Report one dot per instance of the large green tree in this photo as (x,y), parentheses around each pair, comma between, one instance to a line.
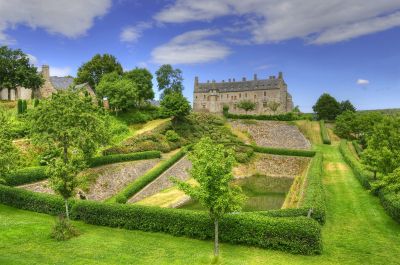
(212,169)
(346,105)
(121,92)
(246,105)
(169,80)
(143,79)
(92,71)
(327,107)
(175,105)
(16,71)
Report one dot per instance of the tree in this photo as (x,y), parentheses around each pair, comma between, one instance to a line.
(9,155)
(143,79)
(69,122)
(176,105)
(16,71)
(122,92)
(383,146)
(169,80)
(347,125)
(246,105)
(92,71)
(273,105)
(212,169)
(347,106)
(326,107)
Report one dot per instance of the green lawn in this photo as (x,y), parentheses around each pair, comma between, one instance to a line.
(357,231)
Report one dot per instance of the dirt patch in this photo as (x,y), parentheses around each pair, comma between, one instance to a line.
(42,187)
(332,166)
(273,134)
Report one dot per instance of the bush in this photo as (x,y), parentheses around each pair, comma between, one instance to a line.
(172,136)
(357,147)
(324,133)
(19,106)
(35,102)
(148,177)
(297,235)
(391,203)
(25,176)
(110,159)
(63,229)
(24,106)
(282,151)
(290,116)
(361,174)
(32,201)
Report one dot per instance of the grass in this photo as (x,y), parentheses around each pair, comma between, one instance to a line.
(357,231)
(310,129)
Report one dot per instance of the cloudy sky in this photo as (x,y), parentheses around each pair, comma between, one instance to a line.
(349,48)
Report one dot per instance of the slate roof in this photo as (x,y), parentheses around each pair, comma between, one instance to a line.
(222,87)
(61,83)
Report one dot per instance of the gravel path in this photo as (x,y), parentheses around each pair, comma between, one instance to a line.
(274,134)
(178,170)
(41,186)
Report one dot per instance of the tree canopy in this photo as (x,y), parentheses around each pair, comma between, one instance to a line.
(92,71)
(169,80)
(327,107)
(143,80)
(246,105)
(121,92)
(346,105)
(16,71)
(176,105)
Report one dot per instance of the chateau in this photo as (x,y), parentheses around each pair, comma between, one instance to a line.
(270,95)
(51,85)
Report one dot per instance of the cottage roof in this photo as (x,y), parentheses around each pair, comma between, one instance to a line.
(61,83)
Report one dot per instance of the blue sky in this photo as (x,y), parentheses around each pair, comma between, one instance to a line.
(348,48)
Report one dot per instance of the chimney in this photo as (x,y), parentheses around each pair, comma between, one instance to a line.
(233,79)
(196,80)
(255,77)
(223,81)
(46,72)
(280,76)
(271,77)
(208,81)
(229,80)
(244,79)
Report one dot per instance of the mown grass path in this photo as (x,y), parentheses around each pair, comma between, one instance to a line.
(357,231)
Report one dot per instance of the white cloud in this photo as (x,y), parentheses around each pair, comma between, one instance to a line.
(60,71)
(133,33)
(362,82)
(190,48)
(32,59)
(71,18)
(277,20)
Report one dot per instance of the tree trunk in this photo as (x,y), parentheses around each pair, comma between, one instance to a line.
(216,246)
(66,208)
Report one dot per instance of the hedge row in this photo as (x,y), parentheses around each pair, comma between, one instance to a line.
(282,151)
(34,174)
(290,116)
(26,175)
(110,159)
(391,203)
(296,235)
(324,133)
(358,148)
(32,201)
(361,174)
(148,177)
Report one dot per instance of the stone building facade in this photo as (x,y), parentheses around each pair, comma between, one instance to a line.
(51,85)
(265,93)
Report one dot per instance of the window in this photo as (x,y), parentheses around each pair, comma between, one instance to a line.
(265,93)
(204,96)
(235,97)
(240,95)
(255,96)
(196,97)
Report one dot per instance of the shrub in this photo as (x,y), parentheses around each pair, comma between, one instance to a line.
(32,201)
(26,175)
(110,159)
(24,106)
(283,151)
(19,106)
(35,102)
(297,235)
(172,136)
(63,229)
(361,174)
(148,177)
(357,147)
(290,116)
(391,203)
(324,133)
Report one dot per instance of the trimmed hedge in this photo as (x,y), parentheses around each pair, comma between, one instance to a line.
(358,148)
(391,203)
(110,159)
(283,151)
(290,116)
(296,235)
(148,177)
(361,174)
(324,133)
(25,175)
(32,201)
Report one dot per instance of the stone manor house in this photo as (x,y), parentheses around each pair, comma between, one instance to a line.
(212,96)
(51,85)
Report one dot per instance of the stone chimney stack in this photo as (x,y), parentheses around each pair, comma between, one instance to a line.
(255,77)
(280,76)
(271,77)
(229,80)
(46,72)
(196,80)
(233,79)
(244,79)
